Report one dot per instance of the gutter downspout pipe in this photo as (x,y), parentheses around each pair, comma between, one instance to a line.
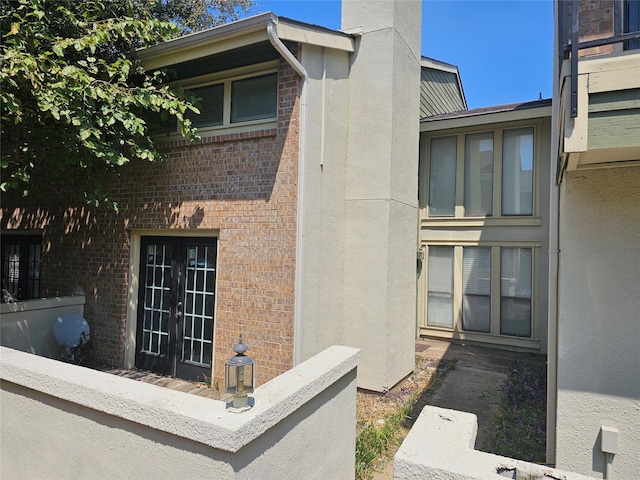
(554,245)
(302,168)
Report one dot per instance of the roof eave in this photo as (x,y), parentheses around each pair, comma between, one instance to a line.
(465,119)
(237,34)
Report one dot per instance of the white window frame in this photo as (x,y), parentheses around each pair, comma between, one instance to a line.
(227,78)
(459,218)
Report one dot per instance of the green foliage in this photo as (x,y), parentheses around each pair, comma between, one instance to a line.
(194,15)
(377,441)
(519,427)
(76,104)
(374,441)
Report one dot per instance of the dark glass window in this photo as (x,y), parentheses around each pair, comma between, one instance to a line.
(211,100)
(21,262)
(254,98)
(631,22)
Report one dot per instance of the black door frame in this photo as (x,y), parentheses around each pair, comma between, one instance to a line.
(170,363)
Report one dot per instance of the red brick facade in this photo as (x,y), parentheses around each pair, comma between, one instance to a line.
(242,187)
(595,21)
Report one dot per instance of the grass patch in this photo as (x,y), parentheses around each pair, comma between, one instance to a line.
(519,427)
(375,440)
(378,438)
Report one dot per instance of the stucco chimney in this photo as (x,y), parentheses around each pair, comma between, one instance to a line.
(381,190)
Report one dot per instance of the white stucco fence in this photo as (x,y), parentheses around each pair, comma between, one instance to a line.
(63,421)
(27,325)
(440,446)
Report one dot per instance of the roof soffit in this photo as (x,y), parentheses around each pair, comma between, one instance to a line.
(240,34)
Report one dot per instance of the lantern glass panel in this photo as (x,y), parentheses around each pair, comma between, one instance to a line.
(239,378)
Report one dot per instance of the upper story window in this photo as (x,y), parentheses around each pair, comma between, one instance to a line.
(21,261)
(470,177)
(236,101)
(631,22)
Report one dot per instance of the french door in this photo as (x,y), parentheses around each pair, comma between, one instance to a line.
(176,306)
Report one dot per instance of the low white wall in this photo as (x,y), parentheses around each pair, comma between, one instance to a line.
(27,325)
(440,445)
(63,421)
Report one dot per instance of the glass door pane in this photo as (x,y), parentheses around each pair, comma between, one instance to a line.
(156,306)
(197,337)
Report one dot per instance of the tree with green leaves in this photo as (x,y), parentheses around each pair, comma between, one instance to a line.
(76,104)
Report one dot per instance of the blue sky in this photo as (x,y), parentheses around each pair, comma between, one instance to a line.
(502,48)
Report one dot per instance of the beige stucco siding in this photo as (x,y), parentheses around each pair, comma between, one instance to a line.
(381,188)
(599,320)
(324,186)
(495,231)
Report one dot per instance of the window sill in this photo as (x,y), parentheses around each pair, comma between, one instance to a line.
(482,221)
(245,131)
(505,341)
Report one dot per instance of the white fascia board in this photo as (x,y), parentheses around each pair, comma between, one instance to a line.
(486,119)
(321,38)
(438,65)
(238,34)
(207,42)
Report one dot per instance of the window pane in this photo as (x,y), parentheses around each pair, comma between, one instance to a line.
(515,291)
(631,22)
(440,287)
(21,265)
(476,289)
(254,98)
(442,177)
(211,105)
(517,172)
(478,174)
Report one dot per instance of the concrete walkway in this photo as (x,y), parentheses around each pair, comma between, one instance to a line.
(473,386)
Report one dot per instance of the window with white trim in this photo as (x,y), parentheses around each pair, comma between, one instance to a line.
(230,102)
(236,101)
(470,177)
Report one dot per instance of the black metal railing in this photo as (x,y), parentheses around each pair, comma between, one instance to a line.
(570,49)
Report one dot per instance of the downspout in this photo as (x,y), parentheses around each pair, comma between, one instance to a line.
(302,167)
(554,220)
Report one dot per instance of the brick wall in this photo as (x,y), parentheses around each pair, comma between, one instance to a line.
(243,186)
(596,21)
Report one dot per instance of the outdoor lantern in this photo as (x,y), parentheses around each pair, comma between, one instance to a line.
(239,375)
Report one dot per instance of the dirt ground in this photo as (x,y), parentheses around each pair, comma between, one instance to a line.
(459,377)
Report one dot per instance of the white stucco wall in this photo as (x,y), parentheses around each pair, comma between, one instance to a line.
(381,188)
(440,446)
(599,320)
(28,325)
(327,134)
(63,421)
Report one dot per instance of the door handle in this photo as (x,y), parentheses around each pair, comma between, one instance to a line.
(178,313)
